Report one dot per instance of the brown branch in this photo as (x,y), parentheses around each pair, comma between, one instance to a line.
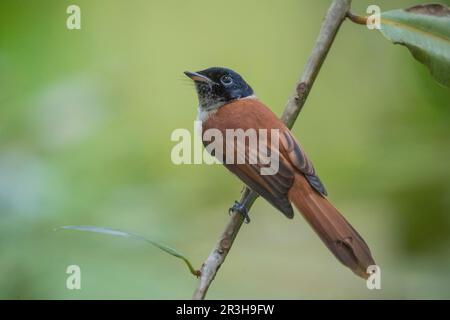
(333,19)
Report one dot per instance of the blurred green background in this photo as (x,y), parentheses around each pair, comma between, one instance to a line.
(85,123)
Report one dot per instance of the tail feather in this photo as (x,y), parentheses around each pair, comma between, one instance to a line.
(334,230)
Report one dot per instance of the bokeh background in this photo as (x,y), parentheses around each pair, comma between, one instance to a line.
(85,123)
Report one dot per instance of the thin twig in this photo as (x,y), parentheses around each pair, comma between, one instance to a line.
(333,19)
(357,19)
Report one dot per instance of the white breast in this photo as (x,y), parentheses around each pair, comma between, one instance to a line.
(203,115)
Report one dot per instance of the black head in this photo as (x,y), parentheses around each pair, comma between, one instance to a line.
(218,86)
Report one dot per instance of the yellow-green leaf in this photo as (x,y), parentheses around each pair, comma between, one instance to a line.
(425,31)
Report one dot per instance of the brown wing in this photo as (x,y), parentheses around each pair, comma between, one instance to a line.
(252,114)
(300,161)
(273,188)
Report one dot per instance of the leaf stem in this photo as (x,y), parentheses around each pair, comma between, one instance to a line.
(357,19)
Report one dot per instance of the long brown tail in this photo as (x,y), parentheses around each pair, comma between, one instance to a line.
(337,234)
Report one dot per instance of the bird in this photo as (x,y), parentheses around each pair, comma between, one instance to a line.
(227,102)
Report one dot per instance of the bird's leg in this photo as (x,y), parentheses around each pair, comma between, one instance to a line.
(241,209)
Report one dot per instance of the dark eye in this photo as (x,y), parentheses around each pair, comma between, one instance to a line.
(226,80)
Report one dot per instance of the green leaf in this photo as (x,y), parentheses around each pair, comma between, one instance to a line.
(119,233)
(425,31)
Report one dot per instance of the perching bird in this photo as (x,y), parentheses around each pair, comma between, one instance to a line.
(227,102)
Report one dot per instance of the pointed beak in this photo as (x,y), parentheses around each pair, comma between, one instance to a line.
(197,77)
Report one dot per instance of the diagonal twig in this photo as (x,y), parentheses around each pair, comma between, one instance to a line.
(330,26)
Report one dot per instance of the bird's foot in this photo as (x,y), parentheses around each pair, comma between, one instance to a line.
(241,209)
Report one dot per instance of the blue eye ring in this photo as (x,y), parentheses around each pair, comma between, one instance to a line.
(226,80)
